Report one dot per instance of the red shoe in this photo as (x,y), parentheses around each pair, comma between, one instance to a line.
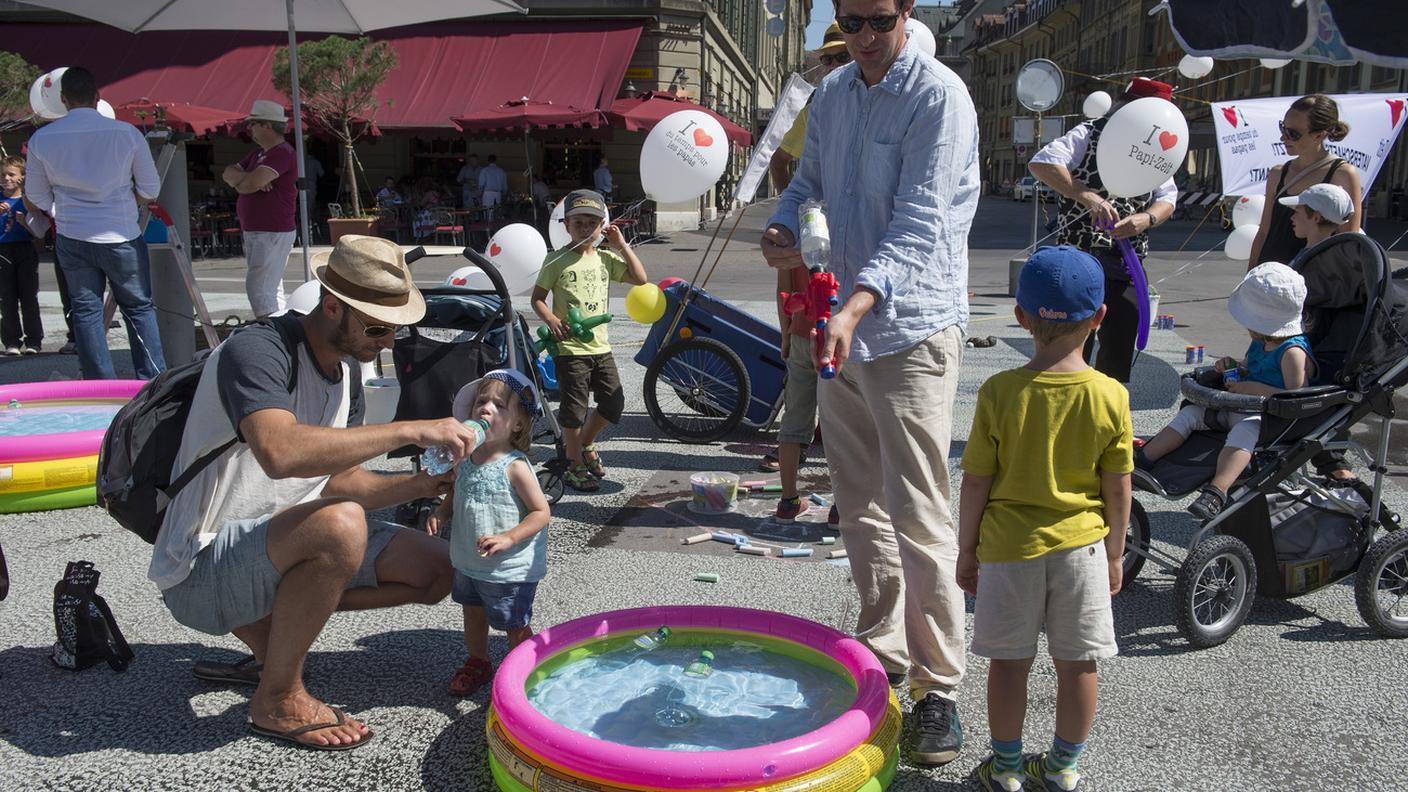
(470,677)
(833,518)
(789,508)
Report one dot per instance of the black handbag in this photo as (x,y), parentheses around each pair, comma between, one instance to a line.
(4,576)
(87,632)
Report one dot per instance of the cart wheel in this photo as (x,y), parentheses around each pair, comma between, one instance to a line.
(696,390)
(1136,542)
(1214,590)
(1381,585)
(550,481)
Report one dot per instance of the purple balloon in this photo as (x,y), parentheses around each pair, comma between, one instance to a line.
(1141,289)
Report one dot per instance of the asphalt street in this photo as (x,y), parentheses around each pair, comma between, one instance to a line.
(1304,697)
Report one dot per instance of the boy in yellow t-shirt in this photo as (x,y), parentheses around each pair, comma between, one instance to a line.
(579,276)
(1042,520)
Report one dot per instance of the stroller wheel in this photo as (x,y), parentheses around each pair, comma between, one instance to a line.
(552,485)
(1381,585)
(1214,590)
(1136,542)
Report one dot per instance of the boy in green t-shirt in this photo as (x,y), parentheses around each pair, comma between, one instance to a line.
(579,276)
(1042,520)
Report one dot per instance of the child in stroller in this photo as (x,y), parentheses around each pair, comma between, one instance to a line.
(1268,302)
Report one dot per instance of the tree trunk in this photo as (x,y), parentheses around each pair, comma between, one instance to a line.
(349,175)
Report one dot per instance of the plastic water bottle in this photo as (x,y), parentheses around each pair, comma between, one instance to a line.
(648,641)
(816,238)
(702,667)
(437,460)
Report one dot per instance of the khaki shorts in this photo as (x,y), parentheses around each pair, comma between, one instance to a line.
(583,376)
(798,423)
(1067,592)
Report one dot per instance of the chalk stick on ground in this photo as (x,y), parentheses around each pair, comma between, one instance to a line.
(818,500)
(754,550)
(707,577)
(723,536)
(767,488)
(696,539)
(752,484)
(796,552)
(836,554)
(828,540)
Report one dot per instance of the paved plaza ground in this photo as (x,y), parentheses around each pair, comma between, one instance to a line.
(1303,697)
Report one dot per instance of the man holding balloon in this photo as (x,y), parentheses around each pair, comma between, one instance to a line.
(1113,194)
(891,149)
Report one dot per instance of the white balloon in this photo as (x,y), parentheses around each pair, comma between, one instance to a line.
(1144,142)
(471,277)
(105,110)
(557,230)
(1247,210)
(304,299)
(1274,63)
(922,35)
(1097,104)
(1239,242)
(1194,67)
(683,156)
(44,95)
(518,251)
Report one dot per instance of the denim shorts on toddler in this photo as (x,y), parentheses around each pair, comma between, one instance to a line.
(507,606)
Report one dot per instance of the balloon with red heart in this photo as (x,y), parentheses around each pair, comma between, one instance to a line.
(558,237)
(517,250)
(683,156)
(1142,146)
(470,277)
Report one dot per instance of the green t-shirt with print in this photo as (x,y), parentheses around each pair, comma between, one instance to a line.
(581,281)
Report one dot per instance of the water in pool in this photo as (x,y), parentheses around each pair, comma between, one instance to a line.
(644,698)
(23,420)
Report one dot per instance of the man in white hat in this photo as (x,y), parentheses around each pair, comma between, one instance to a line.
(266,181)
(270,538)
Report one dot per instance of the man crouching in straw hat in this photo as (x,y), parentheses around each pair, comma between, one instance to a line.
(272,537)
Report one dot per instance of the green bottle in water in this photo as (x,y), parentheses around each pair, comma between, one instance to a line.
(702,667)
(648,641)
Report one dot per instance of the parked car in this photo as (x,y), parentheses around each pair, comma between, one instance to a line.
(1023,189)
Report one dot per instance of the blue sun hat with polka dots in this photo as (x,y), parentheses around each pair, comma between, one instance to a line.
(522,386)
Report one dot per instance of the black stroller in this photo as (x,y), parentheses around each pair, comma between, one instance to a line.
(1284,531)
(465,334)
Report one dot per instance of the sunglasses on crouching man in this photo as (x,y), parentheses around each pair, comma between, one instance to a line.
(882,23)
(373,331)
(839,59)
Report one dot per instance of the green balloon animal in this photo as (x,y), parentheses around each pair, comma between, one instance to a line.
(579,326)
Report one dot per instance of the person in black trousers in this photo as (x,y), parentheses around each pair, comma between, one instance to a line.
(21,330)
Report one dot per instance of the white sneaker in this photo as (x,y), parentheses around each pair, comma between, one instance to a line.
(12,351)
(29,350)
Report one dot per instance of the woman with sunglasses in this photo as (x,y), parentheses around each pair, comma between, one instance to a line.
(1309,122)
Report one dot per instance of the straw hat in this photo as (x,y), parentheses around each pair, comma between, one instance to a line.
(265,110)
(370,274)
(832,41)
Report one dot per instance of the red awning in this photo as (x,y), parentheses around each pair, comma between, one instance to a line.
(462,70)
(645,111)
(179,116)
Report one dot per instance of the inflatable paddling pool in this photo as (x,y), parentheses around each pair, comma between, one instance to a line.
(50,433)
(731,699)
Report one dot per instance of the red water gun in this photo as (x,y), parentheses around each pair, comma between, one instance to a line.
(816,302)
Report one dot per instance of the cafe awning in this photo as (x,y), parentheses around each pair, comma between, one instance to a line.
(643,112)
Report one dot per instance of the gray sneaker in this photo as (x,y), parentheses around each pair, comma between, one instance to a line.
(1038,777)
(937,736)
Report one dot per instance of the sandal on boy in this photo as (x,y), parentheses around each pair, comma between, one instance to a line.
(1209,504)
(580,478)
(474,674)
(592,460)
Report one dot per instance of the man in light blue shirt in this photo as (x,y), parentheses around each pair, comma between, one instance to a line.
(892,150)
(602,178)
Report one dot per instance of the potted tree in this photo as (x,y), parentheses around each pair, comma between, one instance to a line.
(339,78)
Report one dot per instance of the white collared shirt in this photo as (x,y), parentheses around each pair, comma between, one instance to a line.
(91,169)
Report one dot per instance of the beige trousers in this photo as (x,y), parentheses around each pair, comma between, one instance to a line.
(886,425)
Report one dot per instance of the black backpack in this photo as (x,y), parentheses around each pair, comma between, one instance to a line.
(139,449)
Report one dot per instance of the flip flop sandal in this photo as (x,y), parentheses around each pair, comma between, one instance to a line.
(770,464)
(292,735)
(593,462)
(580,478)
(240,672)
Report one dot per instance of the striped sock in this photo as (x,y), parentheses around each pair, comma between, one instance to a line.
(1008,755)
(1063,755)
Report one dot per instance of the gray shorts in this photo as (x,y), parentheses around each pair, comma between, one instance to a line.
(233,582)
(1067,592)
(798,423)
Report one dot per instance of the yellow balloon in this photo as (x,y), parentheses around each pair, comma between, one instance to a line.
(645,303)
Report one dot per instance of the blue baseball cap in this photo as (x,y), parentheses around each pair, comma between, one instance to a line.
(1061,284)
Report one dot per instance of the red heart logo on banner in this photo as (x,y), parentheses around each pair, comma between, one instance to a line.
(702,139)
(1230,113)
(462,281)
(495,250)
(1395,107)
(1168,140)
